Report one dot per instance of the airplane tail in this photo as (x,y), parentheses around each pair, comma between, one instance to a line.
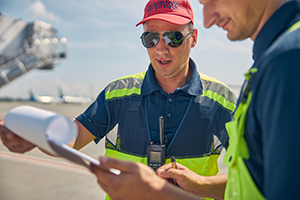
(31,95)
(60,92)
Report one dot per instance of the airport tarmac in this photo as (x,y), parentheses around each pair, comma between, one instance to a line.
(36,176)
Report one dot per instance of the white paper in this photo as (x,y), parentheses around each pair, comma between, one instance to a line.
(38,126)
(49,131)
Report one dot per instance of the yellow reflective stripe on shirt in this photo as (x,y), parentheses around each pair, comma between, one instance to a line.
(294,27)
(228,103)
(122,92)
(220,99)
(121,88)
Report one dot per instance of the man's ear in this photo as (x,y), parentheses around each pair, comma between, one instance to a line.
(194,37)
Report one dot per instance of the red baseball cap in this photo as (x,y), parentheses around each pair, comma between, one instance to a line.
(177,12)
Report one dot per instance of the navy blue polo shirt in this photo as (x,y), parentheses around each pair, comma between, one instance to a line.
(272,128)
(198,110)
(172,106)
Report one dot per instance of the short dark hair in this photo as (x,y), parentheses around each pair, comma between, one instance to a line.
(190,26)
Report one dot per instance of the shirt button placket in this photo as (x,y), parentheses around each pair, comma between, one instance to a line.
(170,100)
(169,115)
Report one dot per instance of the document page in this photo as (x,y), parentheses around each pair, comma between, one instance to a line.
(49,131)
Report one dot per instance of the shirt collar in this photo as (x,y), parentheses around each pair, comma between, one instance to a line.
(280,21)
(192,87)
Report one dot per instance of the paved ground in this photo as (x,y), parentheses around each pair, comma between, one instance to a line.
(36,176)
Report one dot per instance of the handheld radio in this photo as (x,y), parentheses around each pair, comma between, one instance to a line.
(156,152)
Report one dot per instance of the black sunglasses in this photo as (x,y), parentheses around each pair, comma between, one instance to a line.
(171,38)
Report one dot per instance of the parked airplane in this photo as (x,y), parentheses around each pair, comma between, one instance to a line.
(60,99)
(74,99)
(44,99)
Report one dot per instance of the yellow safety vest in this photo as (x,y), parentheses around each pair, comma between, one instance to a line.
(240,184)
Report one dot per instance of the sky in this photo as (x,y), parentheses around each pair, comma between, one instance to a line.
(104,44)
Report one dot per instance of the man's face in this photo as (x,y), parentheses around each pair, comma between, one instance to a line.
(240,18)
(170,62)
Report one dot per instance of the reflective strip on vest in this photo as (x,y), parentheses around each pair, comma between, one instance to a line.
(228,102)
(240,184)
(125,86)
(206,166)
(220,99)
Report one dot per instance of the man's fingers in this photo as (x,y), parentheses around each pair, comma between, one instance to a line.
(102,176)
(169,166)
(10,136)
(123,166)
(165,167)
(13,139)
(13,142)
(167,171)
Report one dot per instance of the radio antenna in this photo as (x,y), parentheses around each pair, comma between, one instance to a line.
(161,129)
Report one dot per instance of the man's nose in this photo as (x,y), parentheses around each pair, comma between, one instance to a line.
(161,46)
(210,14)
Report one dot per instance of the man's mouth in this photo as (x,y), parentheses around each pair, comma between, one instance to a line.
(164,61)
(223,23)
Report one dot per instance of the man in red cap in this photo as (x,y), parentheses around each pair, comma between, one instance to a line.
(261,159)
(194,107)
(169,35)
